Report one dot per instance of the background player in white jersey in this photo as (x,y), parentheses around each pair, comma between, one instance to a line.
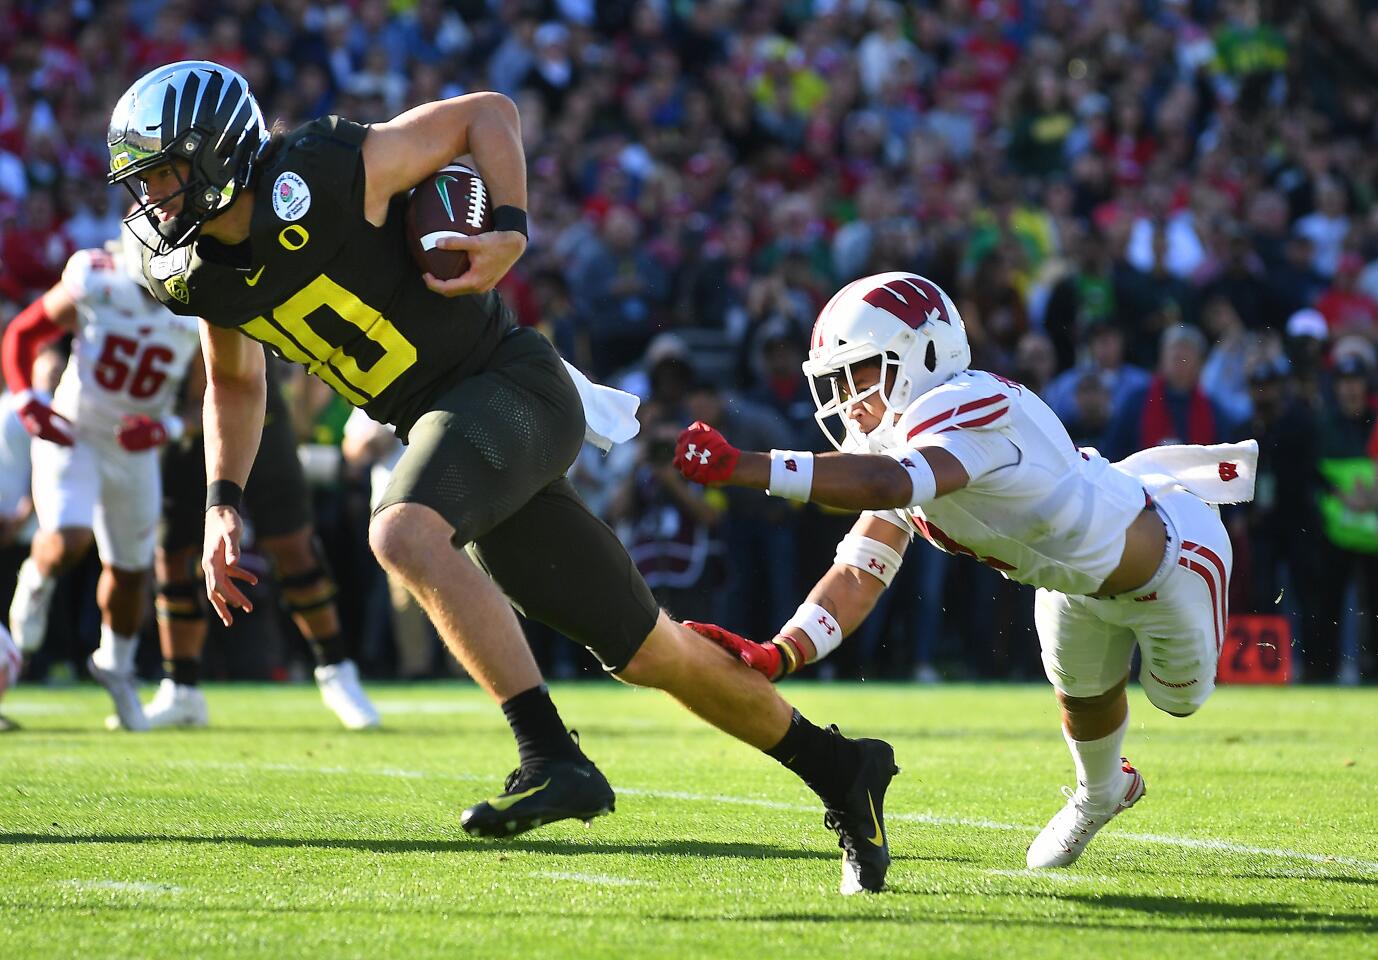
(1124,554)
(95,462)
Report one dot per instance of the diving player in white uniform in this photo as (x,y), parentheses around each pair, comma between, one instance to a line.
(1123,554)
(95,454)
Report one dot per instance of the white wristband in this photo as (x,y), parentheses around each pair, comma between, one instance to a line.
(174,427)
(791,474)
(924,484)
(820,625)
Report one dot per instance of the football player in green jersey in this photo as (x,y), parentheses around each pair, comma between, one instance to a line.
(296,241)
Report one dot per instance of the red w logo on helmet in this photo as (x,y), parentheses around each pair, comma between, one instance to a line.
(913,300)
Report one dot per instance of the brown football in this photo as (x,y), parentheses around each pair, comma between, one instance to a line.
(452,201)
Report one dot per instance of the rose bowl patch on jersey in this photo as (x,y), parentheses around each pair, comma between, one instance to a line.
(291,196)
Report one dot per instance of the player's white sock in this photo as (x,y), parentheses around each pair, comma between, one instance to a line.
(116,652)
(1100,770)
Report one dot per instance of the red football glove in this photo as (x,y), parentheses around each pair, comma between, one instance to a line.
(137,432)
(765,658)
(45,423)
(703,454)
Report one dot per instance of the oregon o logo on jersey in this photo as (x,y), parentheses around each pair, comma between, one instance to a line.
(176,286)
(294,237)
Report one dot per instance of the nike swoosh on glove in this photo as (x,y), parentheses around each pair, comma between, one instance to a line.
(764,658)
(45,423)
(703,454)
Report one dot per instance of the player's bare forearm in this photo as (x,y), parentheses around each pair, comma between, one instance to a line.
(233,420)
(845,481)
(402,152)
(235,400)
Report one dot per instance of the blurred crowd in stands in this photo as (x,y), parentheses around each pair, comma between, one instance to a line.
(1159,214)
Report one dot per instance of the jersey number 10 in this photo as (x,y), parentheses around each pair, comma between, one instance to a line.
(121,365)
(291,332)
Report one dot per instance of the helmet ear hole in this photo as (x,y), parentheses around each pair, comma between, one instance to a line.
(930,357)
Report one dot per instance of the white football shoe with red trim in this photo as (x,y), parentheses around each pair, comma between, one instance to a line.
(1068,833)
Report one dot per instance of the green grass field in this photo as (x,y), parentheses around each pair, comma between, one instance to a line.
(276,834)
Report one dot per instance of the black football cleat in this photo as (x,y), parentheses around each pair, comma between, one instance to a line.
(539,794)
(859,821)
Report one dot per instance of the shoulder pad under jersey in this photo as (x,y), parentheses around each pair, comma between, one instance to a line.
(77,275)
(972,400)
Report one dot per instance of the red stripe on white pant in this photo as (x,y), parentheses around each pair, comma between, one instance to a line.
(1206,564)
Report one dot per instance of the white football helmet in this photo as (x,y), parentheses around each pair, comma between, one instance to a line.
(906,321)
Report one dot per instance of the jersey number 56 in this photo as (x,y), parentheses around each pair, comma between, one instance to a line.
(121,365)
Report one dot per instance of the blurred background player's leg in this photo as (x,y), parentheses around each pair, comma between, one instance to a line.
(11,660)
(182,638)
(308,593)
(279,505)
(125,528)
(66,486)
(412,635)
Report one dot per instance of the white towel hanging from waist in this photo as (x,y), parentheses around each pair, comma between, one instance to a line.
(609,413)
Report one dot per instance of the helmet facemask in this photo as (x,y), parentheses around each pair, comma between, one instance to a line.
(836,395)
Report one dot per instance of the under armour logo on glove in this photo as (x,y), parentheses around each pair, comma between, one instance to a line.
(703,455)
(1229,470)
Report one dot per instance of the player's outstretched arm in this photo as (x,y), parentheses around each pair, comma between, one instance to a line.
(402,152)
(235,399)
(866,562)
(846,481)
(36,326)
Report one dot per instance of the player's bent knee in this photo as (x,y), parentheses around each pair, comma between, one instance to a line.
(404,536)
(658,657)
(179,600)
(1179,702)
(293,551)
(1092,703)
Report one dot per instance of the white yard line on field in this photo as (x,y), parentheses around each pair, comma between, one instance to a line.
(1190,843)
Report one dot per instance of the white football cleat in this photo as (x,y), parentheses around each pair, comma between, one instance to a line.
(123,688)
(177,705)
(1068,833)
(340,689)
(33,593)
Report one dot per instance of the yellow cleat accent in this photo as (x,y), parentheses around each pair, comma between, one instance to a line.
(506,800)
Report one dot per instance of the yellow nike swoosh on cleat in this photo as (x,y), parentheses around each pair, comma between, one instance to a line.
(879,839)
(506,800)
(252,281)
